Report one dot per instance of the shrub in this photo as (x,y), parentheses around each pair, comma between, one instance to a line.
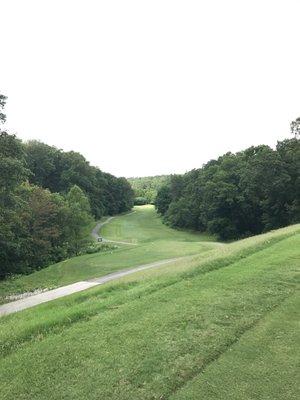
(140,201)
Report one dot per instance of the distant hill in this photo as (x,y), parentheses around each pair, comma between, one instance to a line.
(145,188)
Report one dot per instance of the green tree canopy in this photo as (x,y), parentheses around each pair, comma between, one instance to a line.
(237,195)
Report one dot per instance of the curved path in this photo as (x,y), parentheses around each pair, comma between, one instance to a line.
(49,295)
(95,232)
(44,297)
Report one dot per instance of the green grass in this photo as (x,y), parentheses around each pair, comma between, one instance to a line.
(153,241)
(219,325)
(143,225)
(264,364)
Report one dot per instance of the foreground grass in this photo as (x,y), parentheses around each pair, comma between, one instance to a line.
(152,241)
(264,364)
(177,332)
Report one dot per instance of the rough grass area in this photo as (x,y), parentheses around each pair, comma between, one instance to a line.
(217,326)
(153,242)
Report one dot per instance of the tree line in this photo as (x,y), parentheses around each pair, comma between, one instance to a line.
(58,171)
(237,195)
(48,200)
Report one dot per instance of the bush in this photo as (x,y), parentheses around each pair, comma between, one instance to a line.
(98,248)
(140,201)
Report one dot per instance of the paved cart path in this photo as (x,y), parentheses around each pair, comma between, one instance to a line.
(95,232)
(44,297)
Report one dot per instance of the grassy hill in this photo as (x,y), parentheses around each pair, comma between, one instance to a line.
(221,324)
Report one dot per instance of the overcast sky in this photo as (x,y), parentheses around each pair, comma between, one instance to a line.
(150,87)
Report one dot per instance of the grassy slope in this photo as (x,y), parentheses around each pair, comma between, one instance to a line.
(264,364)
(153,241)
(217,326)
(145,226)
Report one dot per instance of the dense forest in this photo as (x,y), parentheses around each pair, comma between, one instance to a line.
(48,199)
(237,195)
(146,188)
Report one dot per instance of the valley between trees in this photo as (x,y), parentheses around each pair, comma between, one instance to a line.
(151,241)
(49,198)
(219,321)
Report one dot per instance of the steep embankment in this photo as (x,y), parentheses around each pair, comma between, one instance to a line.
(211,326)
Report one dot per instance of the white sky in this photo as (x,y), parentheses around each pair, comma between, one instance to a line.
(150,87)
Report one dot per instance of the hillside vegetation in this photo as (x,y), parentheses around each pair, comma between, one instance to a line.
(217,325)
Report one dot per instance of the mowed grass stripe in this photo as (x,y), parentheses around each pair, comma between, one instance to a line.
(150,347)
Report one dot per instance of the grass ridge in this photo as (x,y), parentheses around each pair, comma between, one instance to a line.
(10,344)
(163,333)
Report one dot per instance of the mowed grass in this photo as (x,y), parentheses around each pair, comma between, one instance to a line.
(143,225)
(221,325)
(264,364)
(152,241)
